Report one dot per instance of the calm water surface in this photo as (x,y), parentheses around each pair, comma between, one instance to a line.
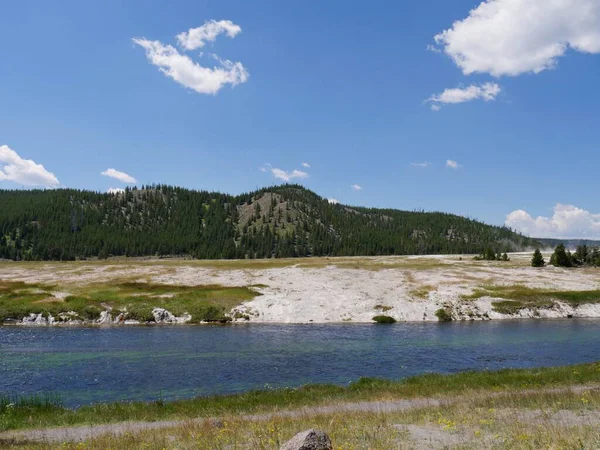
(86,365)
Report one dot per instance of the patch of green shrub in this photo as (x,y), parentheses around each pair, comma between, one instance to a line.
(140,312)
(384,319)
(443,315)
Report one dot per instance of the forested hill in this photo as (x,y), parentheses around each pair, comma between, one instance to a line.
(282,221)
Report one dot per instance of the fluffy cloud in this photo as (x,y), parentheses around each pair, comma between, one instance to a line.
(511,37)
(197,37)
(307,165)
(24,171)
(486,92)
(117,175)
(333,201)
(421,164)
(356,187)
(288,176)
(115,191)
(181,68)
(450,164)
(567,221)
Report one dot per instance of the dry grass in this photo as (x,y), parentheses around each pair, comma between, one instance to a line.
(422,291)
(518,420)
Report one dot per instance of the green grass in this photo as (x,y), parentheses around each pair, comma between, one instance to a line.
(204,303)
(519,297)
(42,414)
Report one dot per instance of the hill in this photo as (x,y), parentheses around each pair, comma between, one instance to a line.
(280,221)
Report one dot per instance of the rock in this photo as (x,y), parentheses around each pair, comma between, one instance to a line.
(163,316)
(69,318)
(105,318)
(120,318)
(34,319)
(309,440)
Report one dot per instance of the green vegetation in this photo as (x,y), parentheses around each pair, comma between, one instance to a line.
(277,222)
(24,414)
(203,303)
(513,307)
(561,257)
(384,319)
(583,256)
(538,259)
(521,297)
(521,420)
(443,315)
(489,254)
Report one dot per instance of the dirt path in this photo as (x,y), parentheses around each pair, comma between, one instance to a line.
(84,433)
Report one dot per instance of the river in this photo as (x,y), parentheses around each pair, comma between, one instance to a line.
(88,365)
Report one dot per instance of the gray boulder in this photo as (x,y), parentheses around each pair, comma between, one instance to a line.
(309,440)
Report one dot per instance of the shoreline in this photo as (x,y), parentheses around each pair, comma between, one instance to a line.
(36,419)
(92,325)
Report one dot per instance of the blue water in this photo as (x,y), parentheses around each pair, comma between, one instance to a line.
(87,365)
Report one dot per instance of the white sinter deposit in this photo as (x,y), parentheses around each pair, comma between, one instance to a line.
(329,290)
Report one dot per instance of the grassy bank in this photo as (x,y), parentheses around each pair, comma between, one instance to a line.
(137,299)
(523,421)
(36,413)
(519,297)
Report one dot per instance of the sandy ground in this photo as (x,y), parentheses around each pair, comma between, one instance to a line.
(340,289)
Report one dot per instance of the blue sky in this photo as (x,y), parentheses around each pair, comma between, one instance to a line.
(349,88)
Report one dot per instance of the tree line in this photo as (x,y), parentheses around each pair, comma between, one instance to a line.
(280,221)
(584,255)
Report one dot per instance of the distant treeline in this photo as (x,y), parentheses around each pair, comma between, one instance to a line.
(282,221)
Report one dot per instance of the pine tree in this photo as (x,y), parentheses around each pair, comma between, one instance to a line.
(538,259)
(561,258)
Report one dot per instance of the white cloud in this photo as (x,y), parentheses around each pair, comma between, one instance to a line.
(452,164)
(421,164)
(567,221)
(115,191)
(197,37)
(117,175)
(333,201)
(24,171)
(433,48)
(288,176)
(511,37)
(181,68)
(356,187)
(485,92)
(307,165)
